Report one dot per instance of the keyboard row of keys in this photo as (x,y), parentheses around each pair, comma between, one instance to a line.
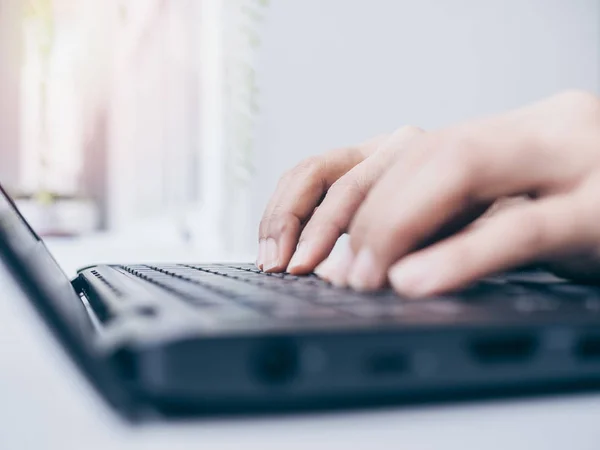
(311,300)
(221,286)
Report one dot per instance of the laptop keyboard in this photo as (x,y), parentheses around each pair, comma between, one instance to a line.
(284,296)
(242,291)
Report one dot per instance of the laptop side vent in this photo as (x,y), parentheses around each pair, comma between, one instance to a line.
(106,283)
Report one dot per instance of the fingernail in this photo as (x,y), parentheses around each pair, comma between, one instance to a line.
(300,257)
(365,274)
(271,255)
(261,254)
(415,278)
(339,265)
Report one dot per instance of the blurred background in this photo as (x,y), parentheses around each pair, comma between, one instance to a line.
(160,127)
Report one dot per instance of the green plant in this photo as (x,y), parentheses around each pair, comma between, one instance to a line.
(242,91)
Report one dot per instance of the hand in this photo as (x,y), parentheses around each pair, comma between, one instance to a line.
(315,202)
(548,152)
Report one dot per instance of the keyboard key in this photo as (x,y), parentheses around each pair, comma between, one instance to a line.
(533,304)
(569,290)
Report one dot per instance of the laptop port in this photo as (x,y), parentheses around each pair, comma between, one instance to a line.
(277,363)
(387,364)
(503,349)
(587,348)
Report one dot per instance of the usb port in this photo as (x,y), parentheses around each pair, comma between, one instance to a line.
(503,349)
(588,348)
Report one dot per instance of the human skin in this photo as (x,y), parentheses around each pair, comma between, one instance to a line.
(416,204)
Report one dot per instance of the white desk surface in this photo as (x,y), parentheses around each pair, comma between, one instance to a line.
(45,403)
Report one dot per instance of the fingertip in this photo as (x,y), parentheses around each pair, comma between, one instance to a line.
(298,269)
(272,260)
(339,264)
(300,262)
(274,267)
(329,271)
(366,274)
(322,270)
(419,276)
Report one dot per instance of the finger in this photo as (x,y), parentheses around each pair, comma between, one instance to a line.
(584,267)
(474,164)
(335,263)
(363,150)
(516,236)
(296,196)
(461,220)
(342,200)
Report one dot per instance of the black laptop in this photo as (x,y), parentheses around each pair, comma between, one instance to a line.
(170,339)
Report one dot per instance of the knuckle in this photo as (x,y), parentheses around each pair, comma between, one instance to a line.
(398,141)
(351,152)
(309,170)
(369,146)
(410,130)
(331,215)
(346,186)
(310,165)
(279,223)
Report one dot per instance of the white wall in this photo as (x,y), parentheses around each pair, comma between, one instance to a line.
(334,72)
